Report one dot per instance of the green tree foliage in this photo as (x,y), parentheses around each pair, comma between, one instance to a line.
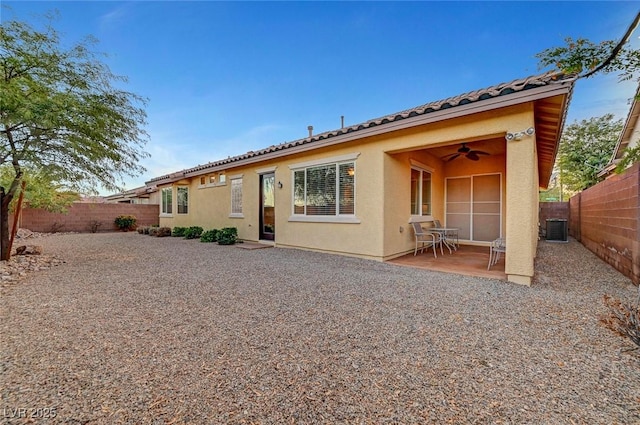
(585,148)
(582,56)
(41,191)
(631,156)
(61,110)
(586,58)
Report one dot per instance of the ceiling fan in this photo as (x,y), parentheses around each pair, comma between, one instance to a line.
(467,152)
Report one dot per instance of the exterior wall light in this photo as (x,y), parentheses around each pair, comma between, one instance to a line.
(279,185)
(520,134)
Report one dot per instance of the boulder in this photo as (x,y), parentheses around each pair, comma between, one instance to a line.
(29,250)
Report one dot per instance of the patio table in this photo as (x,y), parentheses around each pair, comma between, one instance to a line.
(449,236)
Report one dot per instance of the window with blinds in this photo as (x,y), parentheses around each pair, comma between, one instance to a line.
(325,190)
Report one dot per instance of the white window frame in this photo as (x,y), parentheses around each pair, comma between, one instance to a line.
(163,212)
(418,166)
(335,161)
(235,211)
(178,189)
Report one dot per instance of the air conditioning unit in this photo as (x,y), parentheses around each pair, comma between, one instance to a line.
(557,230)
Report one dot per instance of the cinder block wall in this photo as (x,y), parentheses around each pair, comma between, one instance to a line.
(608,216)
(81,216)
(551,210)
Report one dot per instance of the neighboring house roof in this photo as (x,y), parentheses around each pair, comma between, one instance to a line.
(629,136)
(138,192)
(549,121)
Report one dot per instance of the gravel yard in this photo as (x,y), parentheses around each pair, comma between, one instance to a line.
(141,330)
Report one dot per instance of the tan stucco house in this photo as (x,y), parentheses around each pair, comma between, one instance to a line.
(475,162)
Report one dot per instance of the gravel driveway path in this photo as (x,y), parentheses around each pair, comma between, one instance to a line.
(141,330)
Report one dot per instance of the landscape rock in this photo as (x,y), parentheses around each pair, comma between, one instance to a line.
(24,234)
(29,250)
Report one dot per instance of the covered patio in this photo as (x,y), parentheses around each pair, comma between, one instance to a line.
(468,260)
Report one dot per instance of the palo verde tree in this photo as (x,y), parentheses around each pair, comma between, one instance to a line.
(585,58)
(62,112)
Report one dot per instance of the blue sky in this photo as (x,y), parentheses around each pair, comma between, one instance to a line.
(224,78)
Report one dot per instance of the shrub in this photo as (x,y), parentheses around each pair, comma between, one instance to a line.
(193,232)
(153,231)
(623,319)
(227,236)
(125,222)
(94,225)
(178,231)
(209,236)
(162,231)
(143,229)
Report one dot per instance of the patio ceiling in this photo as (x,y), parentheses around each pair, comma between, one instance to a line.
(495,146)
(549,117)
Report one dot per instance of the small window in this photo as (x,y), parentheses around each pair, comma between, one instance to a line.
(183,200)
(167,200)
(222,179)
(212,179)
(236,196)
(203,180)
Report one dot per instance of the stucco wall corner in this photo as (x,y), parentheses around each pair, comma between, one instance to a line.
(519,279)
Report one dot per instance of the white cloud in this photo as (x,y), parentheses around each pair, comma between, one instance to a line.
(114,18)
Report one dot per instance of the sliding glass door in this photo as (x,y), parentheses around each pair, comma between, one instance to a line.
(474,206)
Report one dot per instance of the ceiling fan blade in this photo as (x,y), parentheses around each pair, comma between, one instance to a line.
(472,156)
(480,153)
(453,157)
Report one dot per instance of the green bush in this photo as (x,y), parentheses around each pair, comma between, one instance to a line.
(125,222)
(209,236)
(178,231)
(193,232)
(227,236)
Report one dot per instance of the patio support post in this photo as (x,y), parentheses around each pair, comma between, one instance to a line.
(521,208)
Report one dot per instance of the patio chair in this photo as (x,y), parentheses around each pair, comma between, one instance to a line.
(426,239)
(497,247)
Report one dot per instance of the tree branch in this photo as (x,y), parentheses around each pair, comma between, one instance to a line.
(616,50)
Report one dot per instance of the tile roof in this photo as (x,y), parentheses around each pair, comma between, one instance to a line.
(502,89)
